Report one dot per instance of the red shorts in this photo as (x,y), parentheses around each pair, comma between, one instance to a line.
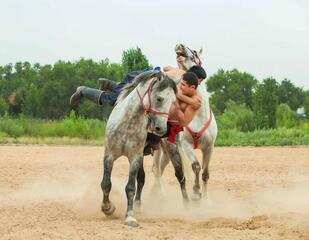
(174,129)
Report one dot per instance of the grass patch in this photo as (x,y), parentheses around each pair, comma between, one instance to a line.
(80,131)
(270,137)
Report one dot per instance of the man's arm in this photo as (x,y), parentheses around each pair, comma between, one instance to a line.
(184,118)
(195,102)
(168,68)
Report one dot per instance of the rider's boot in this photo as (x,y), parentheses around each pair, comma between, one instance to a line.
(81,92)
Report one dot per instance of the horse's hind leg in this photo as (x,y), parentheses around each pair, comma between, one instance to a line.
(107,207)
(135,165)
(160,161)
(207,152)
(140,185)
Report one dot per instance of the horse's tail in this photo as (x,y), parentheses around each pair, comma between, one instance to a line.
(186,163)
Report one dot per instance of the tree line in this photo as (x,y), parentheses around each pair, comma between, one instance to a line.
(43,91)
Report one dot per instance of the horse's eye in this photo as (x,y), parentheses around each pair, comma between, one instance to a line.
(160,99)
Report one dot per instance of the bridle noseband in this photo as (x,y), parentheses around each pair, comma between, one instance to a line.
(148,110)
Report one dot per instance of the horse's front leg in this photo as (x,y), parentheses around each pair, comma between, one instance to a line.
(196,167)
(135,165)
(107,207)
(140,185)
(207,152)
(172,151)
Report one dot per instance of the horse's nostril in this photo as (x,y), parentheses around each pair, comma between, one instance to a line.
(158,129)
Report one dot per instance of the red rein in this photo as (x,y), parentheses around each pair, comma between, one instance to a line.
(150,109)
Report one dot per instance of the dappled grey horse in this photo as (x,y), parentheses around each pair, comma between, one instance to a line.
(142,106)
(199,134)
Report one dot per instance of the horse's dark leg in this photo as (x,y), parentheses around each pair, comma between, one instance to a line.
(135,165)
(196,167)
(207,152)
(107,207)
(140,185)
(173,153)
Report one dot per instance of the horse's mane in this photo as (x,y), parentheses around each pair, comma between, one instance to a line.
(203,90)
(141,78)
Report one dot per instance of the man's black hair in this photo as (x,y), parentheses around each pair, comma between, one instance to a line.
(198,71)
(190,78)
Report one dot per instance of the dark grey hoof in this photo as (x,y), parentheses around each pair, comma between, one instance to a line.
(131,222)
(108,209)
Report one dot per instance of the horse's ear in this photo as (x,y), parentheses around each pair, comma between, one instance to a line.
(200,51)
(161,75)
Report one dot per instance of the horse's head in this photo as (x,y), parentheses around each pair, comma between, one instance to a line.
(163,94)
(187,57)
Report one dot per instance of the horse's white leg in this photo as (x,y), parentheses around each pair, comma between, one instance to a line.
(196,167)
(107,207)
(135,165)
(207,152)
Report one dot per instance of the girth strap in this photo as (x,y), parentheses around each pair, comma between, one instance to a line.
(198,135)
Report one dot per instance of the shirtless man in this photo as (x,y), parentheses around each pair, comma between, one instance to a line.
(181,112)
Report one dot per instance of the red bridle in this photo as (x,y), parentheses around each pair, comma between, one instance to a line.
(150,109)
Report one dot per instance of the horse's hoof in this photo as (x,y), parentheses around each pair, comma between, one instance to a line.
(131,222)
(196,197)
(108,209)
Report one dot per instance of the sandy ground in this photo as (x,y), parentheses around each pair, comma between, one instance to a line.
(54,193)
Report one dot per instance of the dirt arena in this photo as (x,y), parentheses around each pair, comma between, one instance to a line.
(54,193)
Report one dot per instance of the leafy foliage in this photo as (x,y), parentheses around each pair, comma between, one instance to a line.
(291,95)
(237,117)
(133,59)
(265,102)
(38,91)
(306,104)
(285,117)
(231,85)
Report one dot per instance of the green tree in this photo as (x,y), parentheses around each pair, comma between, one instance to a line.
(4,107)
(306,103)
(237,117)
(285,117)
(290,94)
(231,85)
(265,102)
(33,102)
(133,59)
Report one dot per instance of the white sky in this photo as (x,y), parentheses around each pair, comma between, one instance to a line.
(262,37)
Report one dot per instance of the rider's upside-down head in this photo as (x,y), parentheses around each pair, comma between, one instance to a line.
(199,72)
